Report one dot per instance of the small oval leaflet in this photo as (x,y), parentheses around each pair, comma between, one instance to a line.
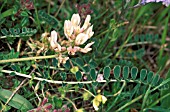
(134,72)
(116,71)
(125,72)
(93,74)
(78,75)
(149,77)
(106,72)
(143,73)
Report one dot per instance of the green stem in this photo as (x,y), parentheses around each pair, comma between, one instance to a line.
(5,1)
(129,103)
(36,13)
(164,35)
(157,101)
(118,93)
(120,49)
(145,97)
(71,103)
(163,83)
(88,92)
(7,13)
(118,25)
(139,97)
(59,8)
(27,59)
(48,8)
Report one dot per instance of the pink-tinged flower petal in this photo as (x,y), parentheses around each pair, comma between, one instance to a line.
(89,45)
(86,23)
(53,41)
(72,51)
(75,20)
(81,39)
(67,110)
(89,31)
(54,110)
(53,37)
(86,48)
(68,28)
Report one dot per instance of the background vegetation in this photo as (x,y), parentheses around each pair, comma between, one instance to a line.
(131,53)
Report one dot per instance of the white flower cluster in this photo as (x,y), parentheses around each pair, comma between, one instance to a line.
(76,36)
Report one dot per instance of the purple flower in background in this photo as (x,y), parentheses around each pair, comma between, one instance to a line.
(164,2)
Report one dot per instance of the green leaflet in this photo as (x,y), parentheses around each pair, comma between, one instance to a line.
(106,72)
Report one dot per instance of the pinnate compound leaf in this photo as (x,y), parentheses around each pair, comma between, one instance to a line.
(18,101)
(17,32)
(52,21)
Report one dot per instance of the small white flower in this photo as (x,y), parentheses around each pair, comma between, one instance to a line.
(81,39)
(53,41)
